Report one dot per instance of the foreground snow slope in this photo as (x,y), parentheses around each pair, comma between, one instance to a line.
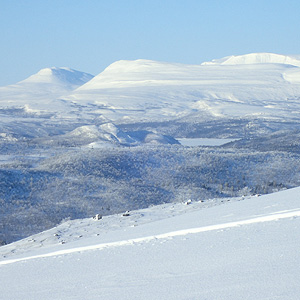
(244,249)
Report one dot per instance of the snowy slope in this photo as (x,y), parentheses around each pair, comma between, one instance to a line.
(259,84)
(243,249)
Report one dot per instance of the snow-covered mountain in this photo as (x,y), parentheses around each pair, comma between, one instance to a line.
(253,86)
(261,85)
(256,58)
(43,88)
(194,250)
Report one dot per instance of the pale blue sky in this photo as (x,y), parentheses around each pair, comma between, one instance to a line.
(88,35)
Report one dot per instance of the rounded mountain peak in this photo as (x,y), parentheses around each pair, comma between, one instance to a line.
(55,75)
(139,65)
(256,58)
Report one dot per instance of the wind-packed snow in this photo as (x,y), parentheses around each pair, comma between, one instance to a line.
(242,249)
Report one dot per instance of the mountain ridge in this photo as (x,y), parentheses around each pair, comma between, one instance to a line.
(253,85)
(257,85)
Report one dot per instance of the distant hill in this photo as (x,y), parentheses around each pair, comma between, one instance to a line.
(256,58)
(45,86)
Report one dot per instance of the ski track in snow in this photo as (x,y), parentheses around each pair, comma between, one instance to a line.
(268,218)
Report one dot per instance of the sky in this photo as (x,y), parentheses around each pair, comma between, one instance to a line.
(89,35)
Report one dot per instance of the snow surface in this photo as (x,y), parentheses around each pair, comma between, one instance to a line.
(242,249)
